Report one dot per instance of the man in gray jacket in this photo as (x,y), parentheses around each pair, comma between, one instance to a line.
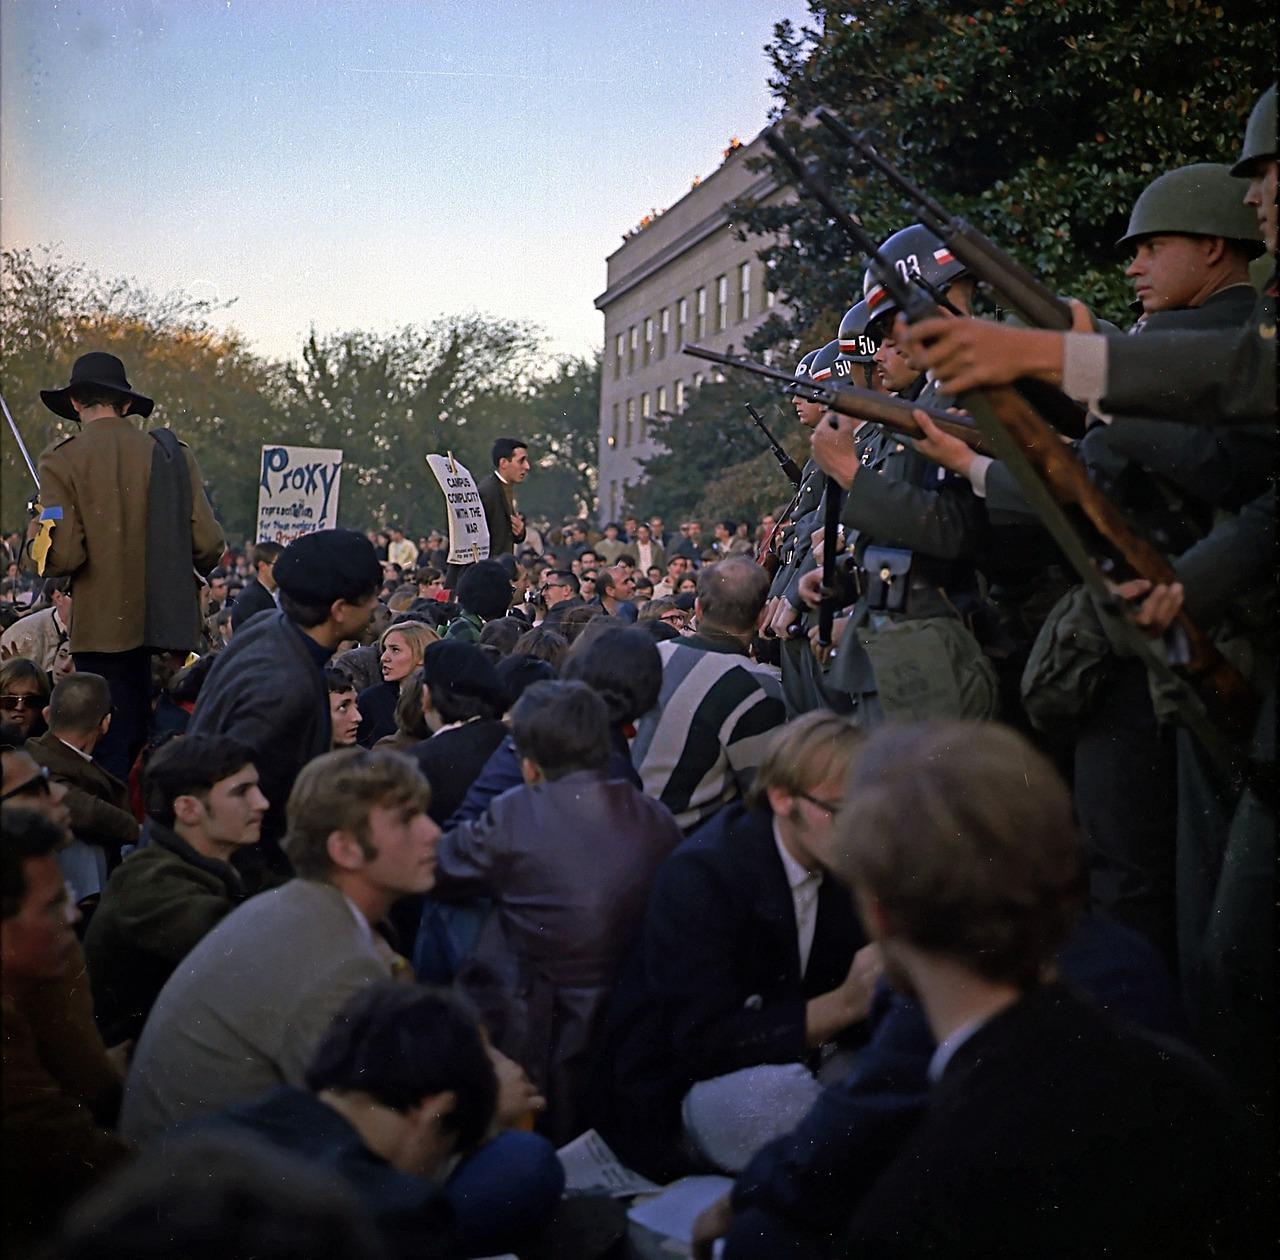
(247,1007)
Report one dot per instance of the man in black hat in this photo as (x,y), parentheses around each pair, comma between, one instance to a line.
(267,688)
(131,526)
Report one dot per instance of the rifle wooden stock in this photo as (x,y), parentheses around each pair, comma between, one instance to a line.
(859,404)
(1225,693)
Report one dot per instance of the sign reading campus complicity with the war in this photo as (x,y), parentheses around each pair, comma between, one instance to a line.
(297,491)
(468,529)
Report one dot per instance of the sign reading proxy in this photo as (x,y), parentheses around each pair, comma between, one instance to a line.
(297,492)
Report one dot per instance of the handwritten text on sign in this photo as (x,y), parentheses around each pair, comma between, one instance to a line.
(468,528)
(297,491)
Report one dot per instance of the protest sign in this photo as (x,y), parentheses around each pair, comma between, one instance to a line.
(297,492)
(468,528)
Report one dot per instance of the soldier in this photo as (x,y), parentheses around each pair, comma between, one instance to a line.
(859,345)
(913,530)
(132,525)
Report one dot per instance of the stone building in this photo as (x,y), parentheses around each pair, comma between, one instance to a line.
(681,276)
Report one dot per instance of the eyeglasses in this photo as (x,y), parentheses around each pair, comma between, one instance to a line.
(827,807)
(39,784)
(673,619)
(10,704)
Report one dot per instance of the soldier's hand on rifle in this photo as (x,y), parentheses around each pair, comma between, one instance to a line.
(941,447)
(783,618)
(817,541)
(968,354)
(833,450)
(1158,610)
(820,651)
(810,588)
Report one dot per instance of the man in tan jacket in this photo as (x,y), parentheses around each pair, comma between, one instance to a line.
(132,528)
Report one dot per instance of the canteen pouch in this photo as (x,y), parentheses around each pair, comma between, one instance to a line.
(888,576)
(930,668)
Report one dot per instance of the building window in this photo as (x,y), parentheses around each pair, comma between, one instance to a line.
(744,291)
(613,498)
(631,422)
(648,341)
(682,321)
(680,399)
(662,399)
(620,350)
(644,410)
(613,425)
(632,339)
(700,318)
(697,381)
(664,331)
(722,303)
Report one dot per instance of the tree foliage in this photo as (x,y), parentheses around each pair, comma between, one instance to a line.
(386,400)
(1040,121)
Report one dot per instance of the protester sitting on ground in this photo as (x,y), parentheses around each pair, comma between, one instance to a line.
(751,971)
(39,635)
(402,1100)
(543,643)
(402,645)
(503,634)
(698,748)
(411,718)
(24,695)
(1051,1128)
(464,702)
(59,1090)
(484,592)
(344,708)
(267,689)
(250,1003)
(79,715)
(215,1197)
(259,595)
(203,805)
(556,940)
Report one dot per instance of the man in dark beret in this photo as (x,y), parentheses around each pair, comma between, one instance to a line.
(267,689)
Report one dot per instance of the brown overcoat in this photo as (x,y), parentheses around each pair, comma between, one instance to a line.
(99,478)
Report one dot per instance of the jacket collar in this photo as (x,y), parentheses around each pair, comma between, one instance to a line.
(169,839)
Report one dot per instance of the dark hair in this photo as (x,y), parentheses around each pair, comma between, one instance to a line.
(189,766)
(658,630)
(11,738)
(573,621)
(562,726)
(221,1194)
(305,615)
(518,673)
(567,577)
(93,395)
(26,836)
(266,552)
(217,574)
(79,702)
(337,681)
(626,558)
(622,666)
(400,1044)
(503,634)
(459,706)
(484,589)
(542,643)
(506,447)
(410,716)
(510,565)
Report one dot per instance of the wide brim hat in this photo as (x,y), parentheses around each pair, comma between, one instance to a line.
(102,370)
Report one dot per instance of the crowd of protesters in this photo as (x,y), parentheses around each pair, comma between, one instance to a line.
(341,885)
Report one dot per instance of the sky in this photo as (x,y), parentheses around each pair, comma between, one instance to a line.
(365,164)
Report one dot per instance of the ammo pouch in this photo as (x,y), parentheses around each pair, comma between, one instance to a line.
(887,577)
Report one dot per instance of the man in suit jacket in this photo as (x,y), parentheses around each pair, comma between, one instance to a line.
(748,965)
(79,714)
(1051,1130)
(118,494)
(259,595)
(248,1006)
(497,494)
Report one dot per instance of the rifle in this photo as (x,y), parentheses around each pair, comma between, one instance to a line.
(1213,692)
(22,446)
(1023,292)
(830,534)
(861,404)
(1026,294)
(785,462)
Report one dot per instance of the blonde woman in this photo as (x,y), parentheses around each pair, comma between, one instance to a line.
(400,653)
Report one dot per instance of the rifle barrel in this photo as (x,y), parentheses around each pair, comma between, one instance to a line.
(22,446)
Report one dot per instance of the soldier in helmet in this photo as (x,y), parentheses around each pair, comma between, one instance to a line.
(912,531)
(859,344)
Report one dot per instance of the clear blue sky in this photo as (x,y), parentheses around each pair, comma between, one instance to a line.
(368,163)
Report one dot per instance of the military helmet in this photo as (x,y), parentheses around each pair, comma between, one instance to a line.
(828,366)
(1259,133)
(917,254)
(1204,199)
(857,345)
(802,368)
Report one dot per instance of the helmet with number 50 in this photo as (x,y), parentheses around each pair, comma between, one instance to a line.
(918,256)
(858,344)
